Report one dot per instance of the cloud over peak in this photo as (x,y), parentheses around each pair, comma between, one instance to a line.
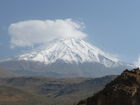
(31,32)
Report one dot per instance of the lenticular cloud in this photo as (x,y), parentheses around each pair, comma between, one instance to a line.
(31,32)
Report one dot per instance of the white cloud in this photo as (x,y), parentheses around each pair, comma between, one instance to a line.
(137,63)
(31,32)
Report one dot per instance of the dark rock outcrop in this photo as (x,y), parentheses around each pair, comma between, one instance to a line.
(124,90)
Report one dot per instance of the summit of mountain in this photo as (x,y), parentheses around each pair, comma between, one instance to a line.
(66,58)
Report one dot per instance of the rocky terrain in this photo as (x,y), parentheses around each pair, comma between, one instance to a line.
(124,90)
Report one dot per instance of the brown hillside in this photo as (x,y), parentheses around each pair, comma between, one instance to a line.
(124,90)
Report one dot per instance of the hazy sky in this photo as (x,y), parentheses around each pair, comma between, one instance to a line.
(112,25)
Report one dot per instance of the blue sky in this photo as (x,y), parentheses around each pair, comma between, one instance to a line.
(112,25)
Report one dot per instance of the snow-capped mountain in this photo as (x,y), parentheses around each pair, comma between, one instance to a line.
(67,58)
(70,51)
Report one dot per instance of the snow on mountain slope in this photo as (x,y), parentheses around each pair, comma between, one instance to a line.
(66,58)
(70,51)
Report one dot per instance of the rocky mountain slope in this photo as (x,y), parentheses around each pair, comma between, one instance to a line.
(124,90)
